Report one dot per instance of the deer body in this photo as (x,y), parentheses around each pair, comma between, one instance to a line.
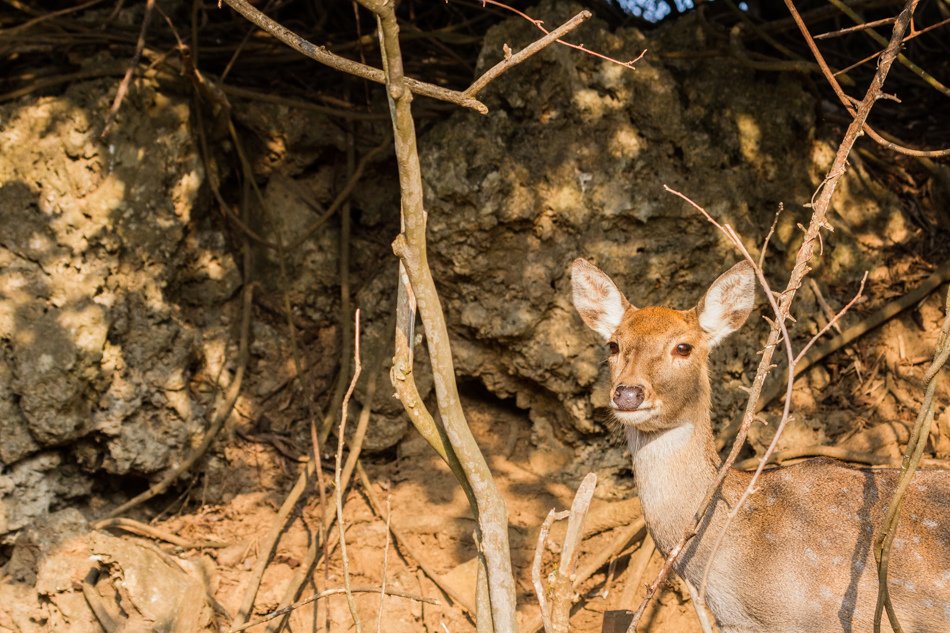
(798,557)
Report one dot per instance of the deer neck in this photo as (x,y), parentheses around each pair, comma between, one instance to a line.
(673,468)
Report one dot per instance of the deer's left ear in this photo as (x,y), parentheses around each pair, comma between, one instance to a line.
(728,303)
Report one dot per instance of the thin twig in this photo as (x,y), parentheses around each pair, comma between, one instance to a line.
(915,449)
(402,543)
(344,412)
(322,55)
(47,16)
(877,54)
(553,515)
(867,324)
(127,78)
(300,104)
(331,592)
(355,445)
(539,25)
(328,517)
(832,322)
(854,29)
(822,303)
(143,529)
(537,46)
(768,236)
(880,39)
(846,101)
(382,583)
(779,324)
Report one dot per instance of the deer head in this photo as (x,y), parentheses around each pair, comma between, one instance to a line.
(657,355)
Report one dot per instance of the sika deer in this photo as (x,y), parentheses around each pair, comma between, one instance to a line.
(798,556)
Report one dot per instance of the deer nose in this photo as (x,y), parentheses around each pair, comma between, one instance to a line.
(627,398)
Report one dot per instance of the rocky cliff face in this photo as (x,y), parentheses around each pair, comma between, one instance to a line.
(117,279)
(571,162)
(100,245)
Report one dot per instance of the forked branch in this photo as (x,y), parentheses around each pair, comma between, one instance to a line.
(465,99)
(410,246)
(556,614)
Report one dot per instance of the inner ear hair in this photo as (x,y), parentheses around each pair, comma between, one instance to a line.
(597,299)
(728,302)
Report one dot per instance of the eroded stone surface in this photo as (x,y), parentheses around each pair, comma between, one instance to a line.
(571,161)
(95,239)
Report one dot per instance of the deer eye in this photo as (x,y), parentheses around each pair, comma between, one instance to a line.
(613,348)
(683,349)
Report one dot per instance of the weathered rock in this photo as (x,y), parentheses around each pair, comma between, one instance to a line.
(39,539)
(136,584)
(98,248)
(29,488)
(571,161)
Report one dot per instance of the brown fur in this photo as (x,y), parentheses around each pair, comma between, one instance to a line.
(798,556)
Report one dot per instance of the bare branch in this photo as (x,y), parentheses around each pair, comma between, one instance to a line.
(382,582)
(854,29)
(915,449)
(625,535)
(539,24)
(563,589)
(325,57)
(832,322)
(331,592)
(337,473)
(539,590)
(880,39)
(847,101)
(510,61)
(851,333)
(410,246)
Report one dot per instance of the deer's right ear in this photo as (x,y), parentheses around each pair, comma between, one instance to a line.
(599,302)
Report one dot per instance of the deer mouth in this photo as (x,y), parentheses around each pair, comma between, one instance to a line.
(635,417)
